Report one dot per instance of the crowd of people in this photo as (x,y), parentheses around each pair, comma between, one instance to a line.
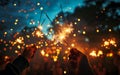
(77,64)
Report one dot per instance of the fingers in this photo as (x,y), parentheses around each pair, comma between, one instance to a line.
(29,52)
(32,49)
(74,54)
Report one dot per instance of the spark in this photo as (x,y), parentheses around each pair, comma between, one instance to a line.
(14,4)
(106,43)
(20,40)
(5,33)
(40,27)
(100,52)
(109,54)
(38,3)
(41,8)
(109,42)
(65,72)
(55,58)
(6,58)
(42,52)
(73,45)
(78,19)
(93,53)
(84,32)
(39,34)
(110,30)
(63,32)
(75,23)
(97,30)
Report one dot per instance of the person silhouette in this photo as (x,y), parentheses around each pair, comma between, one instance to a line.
(20,63)
(78,63)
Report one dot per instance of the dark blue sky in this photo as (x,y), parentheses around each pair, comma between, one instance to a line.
(22,13)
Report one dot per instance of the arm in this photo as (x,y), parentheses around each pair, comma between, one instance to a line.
(84,67)
(15,68)
(20,63)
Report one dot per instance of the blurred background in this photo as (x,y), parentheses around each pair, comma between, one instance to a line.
(56,26)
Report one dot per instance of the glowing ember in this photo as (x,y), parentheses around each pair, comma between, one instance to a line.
(55,58)
(110,42)
(39,34)
(106,43)
(72,44)
(20,40)
(93,53)
(109,55)
(40,27)
(43,53)
(63,32)
(65,72)
(100,53)
(96,54)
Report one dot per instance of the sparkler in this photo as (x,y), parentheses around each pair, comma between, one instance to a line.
(63,32)
(20,40)
(37,33)
(96,54)
(93,53)
(109,42)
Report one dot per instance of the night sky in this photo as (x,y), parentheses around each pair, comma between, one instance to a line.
(28,13)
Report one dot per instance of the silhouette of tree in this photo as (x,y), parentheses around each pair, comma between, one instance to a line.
(93,16)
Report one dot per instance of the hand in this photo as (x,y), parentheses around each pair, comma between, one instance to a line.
(74,58)
(29,52)
(79,64)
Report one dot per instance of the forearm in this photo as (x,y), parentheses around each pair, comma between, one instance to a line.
(18,65)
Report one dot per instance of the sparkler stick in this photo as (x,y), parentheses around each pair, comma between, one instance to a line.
(48,17)
(61,7)
(43,22)
(41,16)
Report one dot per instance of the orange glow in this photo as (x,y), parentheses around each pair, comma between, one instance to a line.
(110,30)
(16,51)
(119,53)
(65,72)
(72,44)
(84,32)
(55,58)
(100,53)
(74,35)
(112,42)
(20,40)
(69,48)
(43,53)
(106,43)
(64,58)
(47,55)
(109,42)
(93,53)
(97,31)
(109,55)
(5,33)
(39,34)
(40,27)
(18,47)
(62,33)
(78,19)
(6,58)
(62,36)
